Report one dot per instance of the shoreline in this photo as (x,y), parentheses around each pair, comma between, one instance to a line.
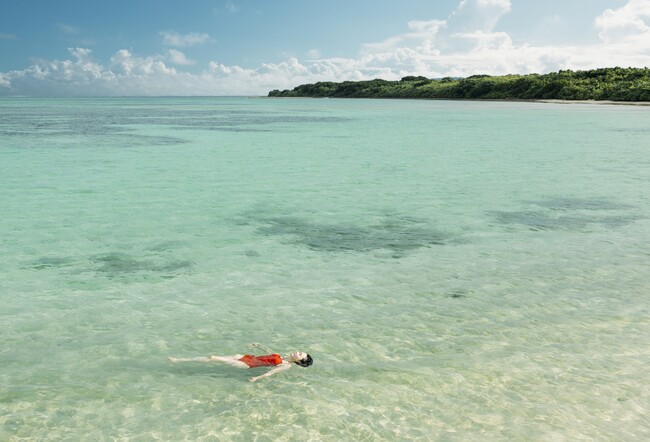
(619,103)
(504,100)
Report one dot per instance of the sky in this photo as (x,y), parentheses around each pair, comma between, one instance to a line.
(249,47)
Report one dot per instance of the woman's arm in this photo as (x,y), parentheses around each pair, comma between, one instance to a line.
(258,345)
(277,369)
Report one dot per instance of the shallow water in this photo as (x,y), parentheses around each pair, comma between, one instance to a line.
(458,270)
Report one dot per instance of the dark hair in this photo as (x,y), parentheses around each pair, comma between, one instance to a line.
(306,362)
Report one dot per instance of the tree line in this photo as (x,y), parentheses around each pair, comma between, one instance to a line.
(616,84)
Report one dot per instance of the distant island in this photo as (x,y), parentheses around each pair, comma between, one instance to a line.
(613,84)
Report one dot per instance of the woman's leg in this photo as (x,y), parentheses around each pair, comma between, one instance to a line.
(230,360)
(198,359)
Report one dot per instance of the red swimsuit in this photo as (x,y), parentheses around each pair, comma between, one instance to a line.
(261,361)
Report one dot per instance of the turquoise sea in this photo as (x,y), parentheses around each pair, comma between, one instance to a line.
(458,270)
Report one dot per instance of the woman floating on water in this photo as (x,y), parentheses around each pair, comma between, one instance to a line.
(276,360)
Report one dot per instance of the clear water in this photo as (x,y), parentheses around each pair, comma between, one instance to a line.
(458,270)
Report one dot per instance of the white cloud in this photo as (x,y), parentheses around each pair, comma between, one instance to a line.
(7,36)
(479,15)
(171,38)
(128,74)
(177,57)
(467,42)
(4,81)
(126,64)
(422,34)
(486,41)
(633,19)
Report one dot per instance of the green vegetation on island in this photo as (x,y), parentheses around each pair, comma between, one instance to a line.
(615,84)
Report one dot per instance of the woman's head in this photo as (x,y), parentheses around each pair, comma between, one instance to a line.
(302,359)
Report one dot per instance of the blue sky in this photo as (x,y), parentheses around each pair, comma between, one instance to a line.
(248,47)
